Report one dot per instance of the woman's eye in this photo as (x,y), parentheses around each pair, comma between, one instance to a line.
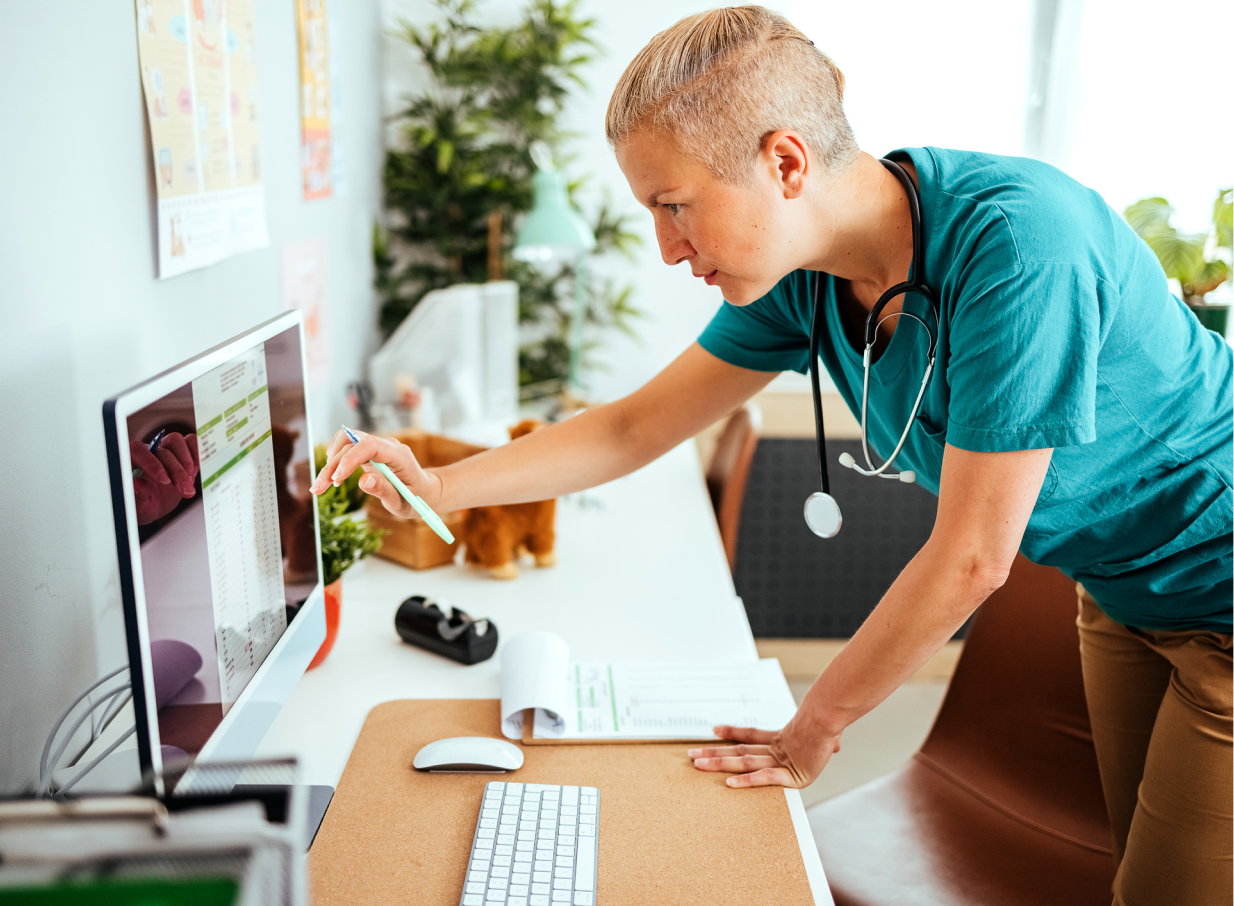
(673,208)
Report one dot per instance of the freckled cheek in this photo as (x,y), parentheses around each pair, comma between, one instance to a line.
(723,241)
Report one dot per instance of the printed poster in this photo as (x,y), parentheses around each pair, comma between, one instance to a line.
(304,288)
(199,74)
(311,26)
(338,176)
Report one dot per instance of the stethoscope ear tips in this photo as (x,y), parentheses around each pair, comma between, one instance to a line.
(846,460)
(823,515)
(907,476)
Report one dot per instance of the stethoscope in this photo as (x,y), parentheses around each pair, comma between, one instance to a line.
(821,510)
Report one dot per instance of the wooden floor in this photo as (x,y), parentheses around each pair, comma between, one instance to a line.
(804,659)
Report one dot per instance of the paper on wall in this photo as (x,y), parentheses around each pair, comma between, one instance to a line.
(304,288)
(199,75)
(338,168)
(315,144)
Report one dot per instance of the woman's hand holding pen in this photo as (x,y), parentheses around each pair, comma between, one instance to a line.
(792,757)
(343,457)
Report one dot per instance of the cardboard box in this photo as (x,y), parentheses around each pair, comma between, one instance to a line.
(411,542)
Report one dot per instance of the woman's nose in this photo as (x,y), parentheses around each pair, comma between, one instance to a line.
(674,248)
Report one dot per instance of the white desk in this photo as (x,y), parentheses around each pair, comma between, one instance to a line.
(641,574)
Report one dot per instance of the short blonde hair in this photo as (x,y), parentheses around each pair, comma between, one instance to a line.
(721,81)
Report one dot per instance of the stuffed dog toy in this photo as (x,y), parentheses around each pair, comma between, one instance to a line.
(495,536)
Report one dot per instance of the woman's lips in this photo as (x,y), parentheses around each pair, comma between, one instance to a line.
(710,279)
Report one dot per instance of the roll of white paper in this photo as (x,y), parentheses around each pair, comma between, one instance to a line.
(533,675)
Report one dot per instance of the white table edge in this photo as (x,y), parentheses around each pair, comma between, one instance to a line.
(809,850)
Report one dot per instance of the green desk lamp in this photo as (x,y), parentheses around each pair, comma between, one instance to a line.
(553,232)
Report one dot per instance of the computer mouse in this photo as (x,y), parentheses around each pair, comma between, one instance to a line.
(469,755)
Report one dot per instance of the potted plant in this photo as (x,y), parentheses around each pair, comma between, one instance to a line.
(461,171)
(1198,261)
(344,542)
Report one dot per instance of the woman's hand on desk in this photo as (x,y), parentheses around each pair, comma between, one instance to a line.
(786,757)
(343,457)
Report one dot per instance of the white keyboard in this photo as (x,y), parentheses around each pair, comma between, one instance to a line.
(535,845)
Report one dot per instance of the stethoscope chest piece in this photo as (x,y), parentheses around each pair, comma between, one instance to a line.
(823,515)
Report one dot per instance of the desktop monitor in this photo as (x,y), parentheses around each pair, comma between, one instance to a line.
(220,570)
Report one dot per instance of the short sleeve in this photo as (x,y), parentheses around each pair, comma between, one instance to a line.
(766,335)
(1022,369)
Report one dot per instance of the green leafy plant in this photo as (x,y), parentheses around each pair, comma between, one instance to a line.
(464,154)
(351,484)
(1198,261)
(344,541)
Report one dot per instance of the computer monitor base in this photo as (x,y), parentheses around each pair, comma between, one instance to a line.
(117,774)
(319,797)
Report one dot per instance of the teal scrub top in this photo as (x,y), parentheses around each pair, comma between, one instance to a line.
(1057,329)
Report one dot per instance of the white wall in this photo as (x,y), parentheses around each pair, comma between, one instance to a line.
(1153,107)
(919,74)
(82,315)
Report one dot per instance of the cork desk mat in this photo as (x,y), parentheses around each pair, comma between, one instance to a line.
(668,834)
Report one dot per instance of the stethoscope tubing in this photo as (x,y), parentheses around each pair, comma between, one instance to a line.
(880,471)
(873,322)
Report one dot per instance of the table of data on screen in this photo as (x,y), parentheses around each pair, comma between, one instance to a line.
(232,408)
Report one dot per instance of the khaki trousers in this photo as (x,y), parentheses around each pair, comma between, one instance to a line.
(1160,704)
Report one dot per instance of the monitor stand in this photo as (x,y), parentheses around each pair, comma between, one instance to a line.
(319,797)
(317,800)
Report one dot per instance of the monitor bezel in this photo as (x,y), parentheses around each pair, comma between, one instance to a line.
(240,731)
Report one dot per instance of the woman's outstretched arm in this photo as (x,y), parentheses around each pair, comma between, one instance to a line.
(596,446)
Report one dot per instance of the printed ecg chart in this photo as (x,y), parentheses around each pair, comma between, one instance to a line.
(677,700)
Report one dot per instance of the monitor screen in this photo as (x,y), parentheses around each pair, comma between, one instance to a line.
(219,470)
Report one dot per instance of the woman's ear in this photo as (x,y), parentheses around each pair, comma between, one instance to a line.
(786,151)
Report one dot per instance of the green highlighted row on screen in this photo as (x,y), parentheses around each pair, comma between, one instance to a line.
(231,462)
(231,410)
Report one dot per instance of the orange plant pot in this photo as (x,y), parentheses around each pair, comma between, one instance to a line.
(334,598)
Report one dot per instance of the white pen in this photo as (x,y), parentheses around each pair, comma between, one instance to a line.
(425,511)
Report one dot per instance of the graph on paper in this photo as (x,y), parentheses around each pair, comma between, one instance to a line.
(666,700)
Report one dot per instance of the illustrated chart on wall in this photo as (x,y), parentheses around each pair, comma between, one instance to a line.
(232,407)
(199,73)
(311,28)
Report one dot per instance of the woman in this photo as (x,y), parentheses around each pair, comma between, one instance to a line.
(1077,412)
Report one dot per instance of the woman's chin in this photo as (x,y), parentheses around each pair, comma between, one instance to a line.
(741,292)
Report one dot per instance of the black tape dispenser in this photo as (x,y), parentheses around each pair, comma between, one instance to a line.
(445,630)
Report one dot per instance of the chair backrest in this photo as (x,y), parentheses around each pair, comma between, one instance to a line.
(1014,724)
(729,470)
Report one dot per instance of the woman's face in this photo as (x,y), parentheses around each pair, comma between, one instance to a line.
(737,237)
